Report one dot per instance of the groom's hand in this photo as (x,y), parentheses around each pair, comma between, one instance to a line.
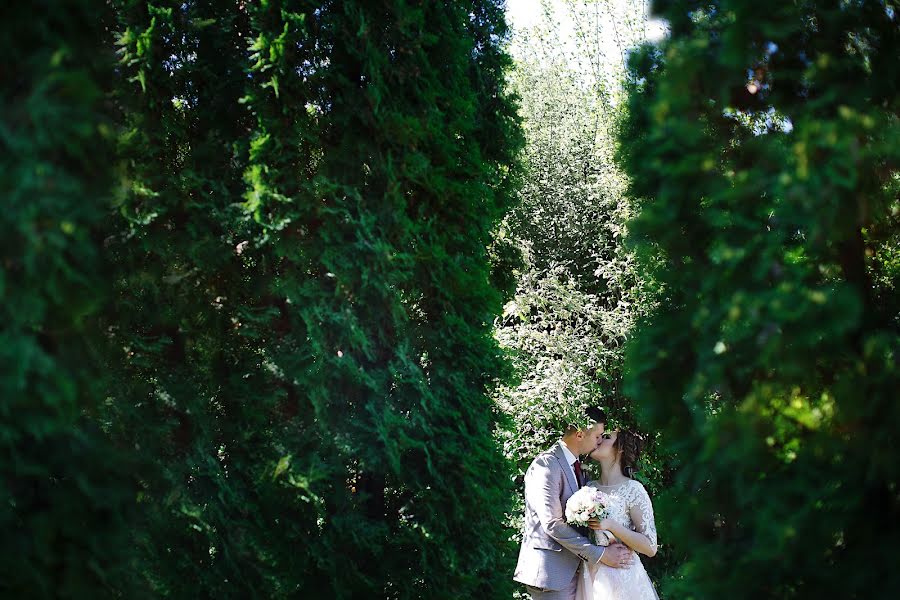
(617,556)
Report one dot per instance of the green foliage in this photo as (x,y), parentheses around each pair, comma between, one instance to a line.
(765,158)
(303,296)
(64,494)
(576,293)
(387,344)
(190,313)
(248,300)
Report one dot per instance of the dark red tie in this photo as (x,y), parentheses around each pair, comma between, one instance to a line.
(577,467)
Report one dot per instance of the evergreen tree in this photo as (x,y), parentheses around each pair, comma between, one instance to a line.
(303,295)
(64,494)
(407,137)
(248,300)
(762,140)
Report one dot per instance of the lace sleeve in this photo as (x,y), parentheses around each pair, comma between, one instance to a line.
(641,512)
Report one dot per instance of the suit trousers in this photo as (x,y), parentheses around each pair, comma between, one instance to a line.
(567,593)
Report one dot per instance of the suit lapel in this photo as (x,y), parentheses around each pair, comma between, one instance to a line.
(567,470)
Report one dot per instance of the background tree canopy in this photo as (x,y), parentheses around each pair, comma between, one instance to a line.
(576,295)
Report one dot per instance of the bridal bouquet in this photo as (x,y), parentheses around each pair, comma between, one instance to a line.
(586,504)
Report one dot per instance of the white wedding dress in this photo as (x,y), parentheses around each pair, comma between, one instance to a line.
(630,505)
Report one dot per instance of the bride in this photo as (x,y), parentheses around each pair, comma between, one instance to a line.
(630,520)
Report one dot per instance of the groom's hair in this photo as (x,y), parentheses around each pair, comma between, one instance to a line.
(594,413)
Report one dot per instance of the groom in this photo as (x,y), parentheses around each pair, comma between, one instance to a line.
(553,553)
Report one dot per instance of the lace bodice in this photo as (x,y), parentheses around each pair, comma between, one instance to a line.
(630,505)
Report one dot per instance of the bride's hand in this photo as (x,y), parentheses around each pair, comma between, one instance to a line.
(606,524)
(596,524)
(617,556)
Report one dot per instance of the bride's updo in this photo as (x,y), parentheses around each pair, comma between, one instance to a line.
(628,444)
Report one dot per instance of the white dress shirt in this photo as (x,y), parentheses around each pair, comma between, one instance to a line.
(571,458)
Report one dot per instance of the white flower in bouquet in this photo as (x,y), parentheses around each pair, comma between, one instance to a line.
(586,504)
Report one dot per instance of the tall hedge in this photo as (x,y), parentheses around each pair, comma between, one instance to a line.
(303,299)
(192,397)
(762,142)
(64,495)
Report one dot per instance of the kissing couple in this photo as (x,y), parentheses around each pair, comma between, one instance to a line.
(557,561)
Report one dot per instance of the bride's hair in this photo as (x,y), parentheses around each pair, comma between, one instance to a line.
(630,445)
